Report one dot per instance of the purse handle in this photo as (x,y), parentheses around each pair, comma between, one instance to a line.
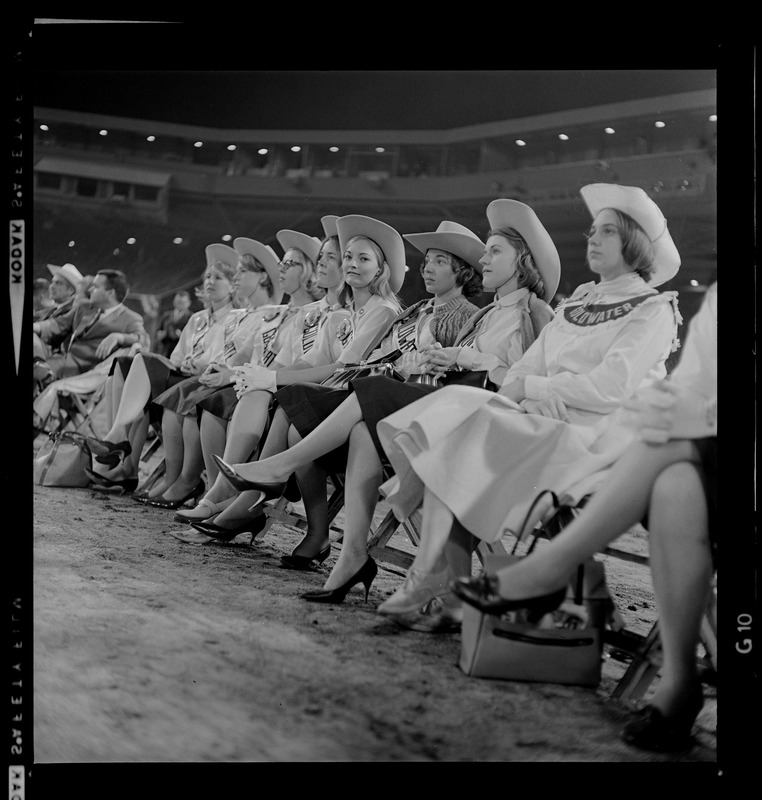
(556,505)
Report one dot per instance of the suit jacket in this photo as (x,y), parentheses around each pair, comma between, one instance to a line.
(55,325)
(89,330)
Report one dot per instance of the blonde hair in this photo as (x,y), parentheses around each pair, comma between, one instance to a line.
(380,284)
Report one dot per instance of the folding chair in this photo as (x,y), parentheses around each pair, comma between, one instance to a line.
(643,652)
(76,410)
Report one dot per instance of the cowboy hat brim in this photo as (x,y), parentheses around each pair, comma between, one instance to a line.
(267,257)
(508,213)
(309,245)
(386,237)
(632,200)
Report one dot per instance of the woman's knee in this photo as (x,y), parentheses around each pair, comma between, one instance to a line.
(679,489)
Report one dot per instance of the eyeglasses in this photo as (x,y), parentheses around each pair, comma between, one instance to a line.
(285,265)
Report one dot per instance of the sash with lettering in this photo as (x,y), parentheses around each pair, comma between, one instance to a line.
(233,322)
(406,331)
(312,324)
(269,330)
(586,316)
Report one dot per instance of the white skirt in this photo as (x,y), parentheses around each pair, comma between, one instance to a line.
(487,460)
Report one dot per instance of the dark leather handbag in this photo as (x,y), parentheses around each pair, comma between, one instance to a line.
(343,376)
(467,377)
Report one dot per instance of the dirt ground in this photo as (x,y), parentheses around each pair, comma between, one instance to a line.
(148,649)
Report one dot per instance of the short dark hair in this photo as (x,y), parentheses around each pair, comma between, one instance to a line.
(117,281)
(465,275)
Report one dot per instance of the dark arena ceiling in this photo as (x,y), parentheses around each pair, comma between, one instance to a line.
(179,74)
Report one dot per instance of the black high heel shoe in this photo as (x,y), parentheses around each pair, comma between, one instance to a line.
(270,490)
(126,485)
(252,526)
(651,730)
(306,562)
(482,592)
(365,575)
(107,452)
(161,502)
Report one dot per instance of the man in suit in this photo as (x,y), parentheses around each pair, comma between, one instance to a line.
(100,324)
(49,335)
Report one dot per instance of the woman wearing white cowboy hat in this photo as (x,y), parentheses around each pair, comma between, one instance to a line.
(373,270)
(477,460)
(269,340)
(494,338)
(258,293)
(232,425)
(668,474)
(135,381)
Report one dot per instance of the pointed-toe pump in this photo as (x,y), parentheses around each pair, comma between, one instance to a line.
(365,575)
(482,592)
(204,509)
(126,485)
(162,502)
(306,562)
(109,453)
(252,526)
(270,490)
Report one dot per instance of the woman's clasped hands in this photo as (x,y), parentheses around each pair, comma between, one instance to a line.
(551,406)
(436,360)
(216,375)
(253,378)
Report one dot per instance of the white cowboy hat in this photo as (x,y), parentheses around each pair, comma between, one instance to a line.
(309,245)
(634,201)
(267,257)
(329,224)
(221,252)
(505,213)
(69,272)
(452,238)
(383,235)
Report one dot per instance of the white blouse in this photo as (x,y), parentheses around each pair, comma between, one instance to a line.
(601,347)
(328,345)
(362,327)
(697,369)
(204,336)
(497,341)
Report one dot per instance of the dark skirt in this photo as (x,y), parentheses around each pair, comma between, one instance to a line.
(183,397)
(161,372)
(306,405)
(220,403)
(379,397)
